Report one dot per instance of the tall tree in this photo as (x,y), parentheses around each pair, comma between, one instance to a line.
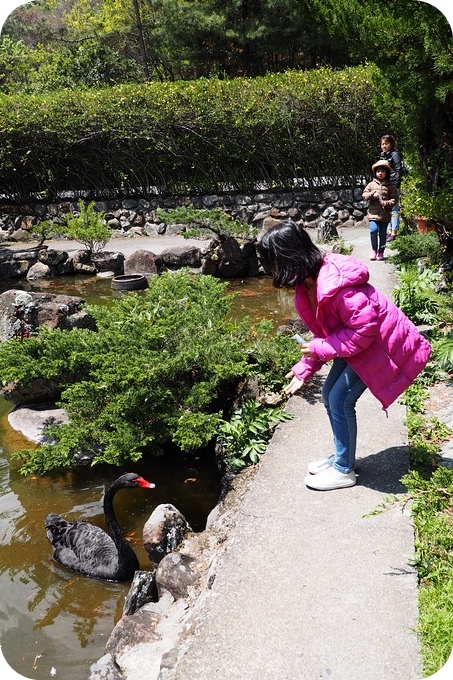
(412,43)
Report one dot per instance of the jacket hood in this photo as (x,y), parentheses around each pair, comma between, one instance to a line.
(340,271)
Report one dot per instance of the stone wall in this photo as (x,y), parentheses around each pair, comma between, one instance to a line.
(137,216)
(321,210)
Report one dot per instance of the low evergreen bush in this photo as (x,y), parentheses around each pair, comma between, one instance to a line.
(162,369)
(88,227)
(415,246)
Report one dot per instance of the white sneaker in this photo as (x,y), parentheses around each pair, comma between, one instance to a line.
(330,479)
(320,465)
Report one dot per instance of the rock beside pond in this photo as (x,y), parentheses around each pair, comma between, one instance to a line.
(107,261)
(31,420)
(234,258)
(143,262)
(142,591)
(38,271)
(155,635)
(21,313)
(181,256)
(175,575)
(137,629)
(165,529)
(52,257)
(39,391)
(82,262)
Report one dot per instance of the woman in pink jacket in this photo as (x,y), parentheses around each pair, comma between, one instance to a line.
(371,342)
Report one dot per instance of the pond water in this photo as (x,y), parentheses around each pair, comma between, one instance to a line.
(53,622)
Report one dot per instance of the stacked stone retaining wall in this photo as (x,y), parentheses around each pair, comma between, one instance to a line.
(134,217)
(137,216)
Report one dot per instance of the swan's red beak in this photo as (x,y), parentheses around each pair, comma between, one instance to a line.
(144,484)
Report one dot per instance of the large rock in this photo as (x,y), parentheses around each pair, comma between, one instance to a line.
(181,256)
(131,648)
(52,257)
(21,313)
(82,263)
(233,258)
(38,271)
(133,630)
(108,262)
(174,575)
(165,529)
(327,230)
(143,262)
(39,390)
(32,420)
(14,268)
(142,591)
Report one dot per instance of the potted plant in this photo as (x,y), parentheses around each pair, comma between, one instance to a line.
(418,204)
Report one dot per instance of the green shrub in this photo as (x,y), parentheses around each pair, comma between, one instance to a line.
(425,437)
(161,370)
(191,136)
(415,294)
(444,350)
(245,436)
(88,227)
(415,246)
(45,230)
(206,222)
(432,502)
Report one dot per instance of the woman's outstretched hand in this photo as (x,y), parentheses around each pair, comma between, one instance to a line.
(294,385)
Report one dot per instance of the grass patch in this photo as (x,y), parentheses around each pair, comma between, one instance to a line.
(432,511)
(430,490)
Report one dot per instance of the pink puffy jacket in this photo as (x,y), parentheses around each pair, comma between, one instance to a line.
(358,323)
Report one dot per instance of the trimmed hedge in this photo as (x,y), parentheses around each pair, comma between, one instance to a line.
(190,136)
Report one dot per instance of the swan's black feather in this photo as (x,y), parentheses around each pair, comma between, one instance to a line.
(87,549)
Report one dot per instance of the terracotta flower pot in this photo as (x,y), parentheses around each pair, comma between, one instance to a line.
(424,224)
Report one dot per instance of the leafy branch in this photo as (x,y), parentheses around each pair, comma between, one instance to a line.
(201,222)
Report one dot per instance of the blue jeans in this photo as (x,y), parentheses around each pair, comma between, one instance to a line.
(378,235)
(395,215)
(340,392)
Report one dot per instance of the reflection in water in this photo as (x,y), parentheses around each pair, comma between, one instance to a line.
(49,611)
(50,618)
(259,300)
(256,296)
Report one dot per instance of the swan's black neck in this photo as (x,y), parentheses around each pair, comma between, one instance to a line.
(112,523)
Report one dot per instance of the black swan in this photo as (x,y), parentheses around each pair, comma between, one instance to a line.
(89,550)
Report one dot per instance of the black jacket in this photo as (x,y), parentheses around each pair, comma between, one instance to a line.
(395,159)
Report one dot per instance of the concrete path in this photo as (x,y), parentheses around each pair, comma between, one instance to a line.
(311,587)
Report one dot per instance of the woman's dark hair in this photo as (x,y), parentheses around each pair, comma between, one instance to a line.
(291,253)
(390,139)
